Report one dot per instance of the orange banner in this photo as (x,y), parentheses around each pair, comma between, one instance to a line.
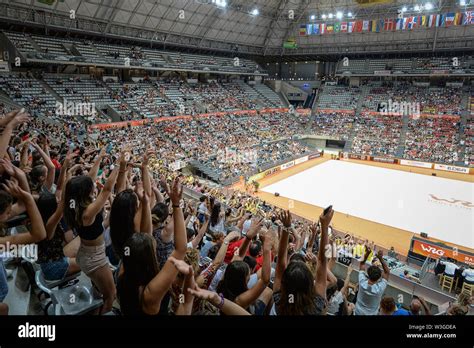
(103,126)
(424,248)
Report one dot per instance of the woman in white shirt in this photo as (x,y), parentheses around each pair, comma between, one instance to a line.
(217,220)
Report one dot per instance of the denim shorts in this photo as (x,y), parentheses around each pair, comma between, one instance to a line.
(55,270)
(3,282)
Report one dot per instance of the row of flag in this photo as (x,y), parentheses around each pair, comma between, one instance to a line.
(378,25)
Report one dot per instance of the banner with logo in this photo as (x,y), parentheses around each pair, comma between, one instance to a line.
(287,165)
(416,164)
(301,160)
(384,160)
(435,250)
(453,169)
(313,156)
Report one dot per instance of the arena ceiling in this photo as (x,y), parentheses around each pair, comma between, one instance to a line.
(235,27)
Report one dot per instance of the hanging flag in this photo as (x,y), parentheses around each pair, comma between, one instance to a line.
(449,19)
(302,30)
(440,20)
(375,28)
(358,27)
(316,29)
(330,28)
(344,27)
(350,27)
(458,19)
(337,27)
(365,26)
(399,24)
(412,22)
(405,23)
(322,28)
(468,18)
(432,21)
(309,29)
(424,21)
(389,25)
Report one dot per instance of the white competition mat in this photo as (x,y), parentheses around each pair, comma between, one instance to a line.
(443,208)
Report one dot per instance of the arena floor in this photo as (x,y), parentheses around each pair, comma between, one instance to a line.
(400,200)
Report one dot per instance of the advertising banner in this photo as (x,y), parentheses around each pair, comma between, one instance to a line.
(416,164)
(287,165)
(453,169)
(434,250)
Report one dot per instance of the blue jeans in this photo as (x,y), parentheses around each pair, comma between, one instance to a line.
(3,281)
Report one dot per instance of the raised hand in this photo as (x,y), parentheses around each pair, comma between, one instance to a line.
(17,118)
(7,166)
(176,192)
(11,186)
(255,227)
(181,266)
(325,220)
(285,218)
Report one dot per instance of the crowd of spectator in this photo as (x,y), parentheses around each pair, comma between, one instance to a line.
(377,135)
(114,201)
(434,139)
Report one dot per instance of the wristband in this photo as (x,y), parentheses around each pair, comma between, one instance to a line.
(176,206)
(221,304)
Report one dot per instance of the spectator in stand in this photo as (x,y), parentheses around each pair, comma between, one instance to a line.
(371,285)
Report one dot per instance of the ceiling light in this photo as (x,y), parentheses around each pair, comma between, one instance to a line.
(339,15)
(429,6)
(255,12)
(331,15)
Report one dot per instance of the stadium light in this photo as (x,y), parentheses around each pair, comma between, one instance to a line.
(323,16)
(313,17)
(339,15)
(330,16)
(349,14)
(221,3)
(429,6)
(404,9)
(255,12)
(417,8)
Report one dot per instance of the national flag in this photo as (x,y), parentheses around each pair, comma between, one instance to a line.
(389,24)
(337,27)
(450,19)
(302,29)
(412,22)
(440,20)
(309,29)
(375,27)
(423,21)
(468,17)
(316,29)
(350,27)
(405,23)
(358,27)
(399,24)
(458,18)
(365,25)
(344,27)
(432,21)
(330,28)
(322,28)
